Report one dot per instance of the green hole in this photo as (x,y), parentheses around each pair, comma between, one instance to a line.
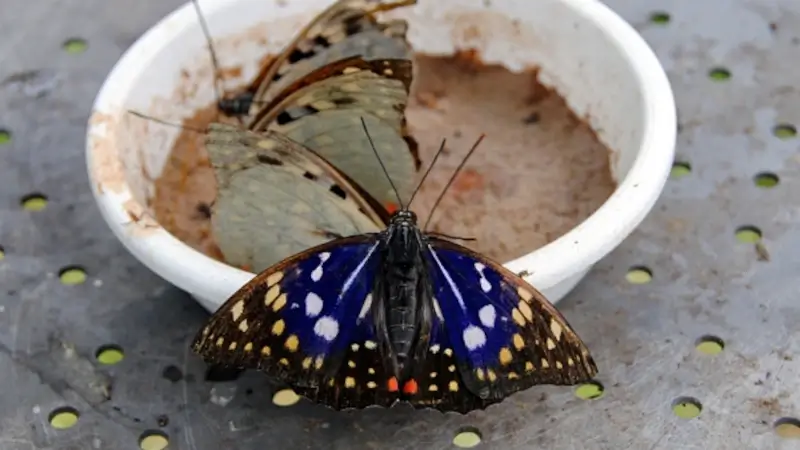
(687,407)
(75,45)
(784,131)
(109,354)
(748,234)
(788,428)
(710,345)
(153,440)
(659,17)
(766,180)
(72,275)
(34,202)
(590,391)
(5,136)
(680,169)
(719,74)
(467,437)
(64,417)
(639,275)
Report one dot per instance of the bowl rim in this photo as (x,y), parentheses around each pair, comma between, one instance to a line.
(575,251)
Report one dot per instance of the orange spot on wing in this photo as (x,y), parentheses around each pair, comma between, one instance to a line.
(392,385)
(468,180)
(391,207)
(410,387)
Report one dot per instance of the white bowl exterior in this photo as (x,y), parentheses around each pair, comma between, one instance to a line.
(604,69)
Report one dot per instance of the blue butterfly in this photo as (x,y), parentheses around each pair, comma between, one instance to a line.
(398,315)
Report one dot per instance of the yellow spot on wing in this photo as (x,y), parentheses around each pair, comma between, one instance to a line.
(370,345)
(559,365)
(525,294)
(512,375)
(491,375)
(351,364)
(550,344)
(451,368)
(307,363)
(284,361)
(479,374)
(529,367)
(237,310)
(448,352)
(278,327)
(318,362)
(519,343)
(545,364)
(570,361)
(526,311)
(243,326)
(453,386)
(371,384)
(274,278)
(505,356)
(220,341)
(371,371)
(271,295)
(348,70)
(556,329)
(433,374)
(354,347)
(265,350)
(433,388)
(349,382)
(292,343)
(232,347)
(248,347)
(517,316)
(280,302)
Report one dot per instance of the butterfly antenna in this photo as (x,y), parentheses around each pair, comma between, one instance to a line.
(380,161)
(164,122)
(452,179)
(428,171)
(212,53)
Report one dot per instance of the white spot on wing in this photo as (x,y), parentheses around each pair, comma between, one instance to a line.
(437,309)
(485,285)
(365,307)
(474,338)
(313,304)
(487,314)
(316,274)
(327,328)
(435,348)
(349,281)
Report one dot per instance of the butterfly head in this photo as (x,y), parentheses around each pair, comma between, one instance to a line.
(403,217)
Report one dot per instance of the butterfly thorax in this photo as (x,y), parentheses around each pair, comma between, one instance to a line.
(403,292)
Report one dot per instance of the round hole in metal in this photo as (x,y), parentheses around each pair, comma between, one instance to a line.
(766,180)
(467,437)
(72,275)
(719,74)
(710,345)
(639,275)
(63,417)
(680,169)
(34,201)
(285,397)
(788,427)
(748,234)
(75,45)
(687,407)
(109,354)
(660,17)
(153,440)
(590,391)
(784,131)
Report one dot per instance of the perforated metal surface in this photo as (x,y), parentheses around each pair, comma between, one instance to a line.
(705,282)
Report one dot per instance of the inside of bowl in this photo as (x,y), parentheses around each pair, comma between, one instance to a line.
(574,56)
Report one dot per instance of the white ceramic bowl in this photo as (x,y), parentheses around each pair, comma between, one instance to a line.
(585,51)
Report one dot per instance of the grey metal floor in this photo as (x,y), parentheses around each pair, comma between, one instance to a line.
(705,282)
